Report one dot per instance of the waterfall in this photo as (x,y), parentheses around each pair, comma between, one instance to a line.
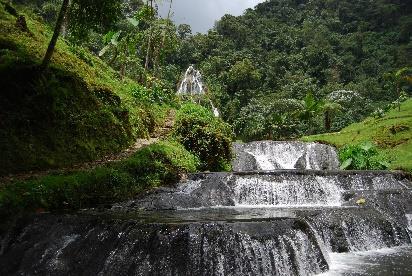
(287,192)
(286,209)
(215,110)
(270,155)
(192,83)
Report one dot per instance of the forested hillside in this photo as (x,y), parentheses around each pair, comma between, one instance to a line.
(273,70)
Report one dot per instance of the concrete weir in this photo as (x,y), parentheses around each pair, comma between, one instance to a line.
(286,209)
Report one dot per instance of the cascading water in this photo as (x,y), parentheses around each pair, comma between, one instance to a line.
(192,83)
(271,155)
(285,210)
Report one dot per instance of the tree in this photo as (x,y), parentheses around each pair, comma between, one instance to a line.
(401,76)
(184,30)
(329,109)
(83,15)
(56,33)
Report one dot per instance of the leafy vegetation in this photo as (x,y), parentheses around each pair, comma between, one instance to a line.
(391,135)
(207,137)
(363,156)
(159,164)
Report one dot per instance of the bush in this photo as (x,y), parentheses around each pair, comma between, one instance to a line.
(362,156)
(206,136)
(159,164)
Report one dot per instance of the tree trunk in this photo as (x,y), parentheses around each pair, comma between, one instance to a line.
(328,121)
(57,30)
(399,97)
(157,59)
(149,43)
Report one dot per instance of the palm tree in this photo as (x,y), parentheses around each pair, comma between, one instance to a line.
(400,77)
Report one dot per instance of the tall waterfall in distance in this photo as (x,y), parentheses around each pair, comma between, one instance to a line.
(192,83)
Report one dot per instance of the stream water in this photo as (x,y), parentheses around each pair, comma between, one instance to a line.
(286,209)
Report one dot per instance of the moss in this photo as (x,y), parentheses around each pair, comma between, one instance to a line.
(159,164)
(392,134)
(79,110)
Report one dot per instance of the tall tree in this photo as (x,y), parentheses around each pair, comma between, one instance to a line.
(56,34)
(166,28)
(85,15)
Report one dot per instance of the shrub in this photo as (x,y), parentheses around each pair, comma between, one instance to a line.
(206,136)
(363,156)
(160,164)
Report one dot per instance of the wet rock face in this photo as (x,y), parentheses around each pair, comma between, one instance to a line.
(88,246)
(271,189)
(273,155)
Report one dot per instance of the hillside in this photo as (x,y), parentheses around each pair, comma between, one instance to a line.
(392,134)
(261,65)
(79,110)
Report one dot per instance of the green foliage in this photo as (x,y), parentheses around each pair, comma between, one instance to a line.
(206,136)
(162,163)
(362,156)
(87,15)
(269,118)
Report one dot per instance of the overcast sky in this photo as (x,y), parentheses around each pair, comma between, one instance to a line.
(202,14)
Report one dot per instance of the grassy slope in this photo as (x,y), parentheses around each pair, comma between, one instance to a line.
(392,134)
(158,164)
(79,110)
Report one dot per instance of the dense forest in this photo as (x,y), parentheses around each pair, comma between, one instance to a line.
(269,68)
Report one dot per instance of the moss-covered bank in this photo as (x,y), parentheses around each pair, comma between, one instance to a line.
(79,110)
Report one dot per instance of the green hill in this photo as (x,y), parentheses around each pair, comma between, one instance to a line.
(79,110)
(392,134)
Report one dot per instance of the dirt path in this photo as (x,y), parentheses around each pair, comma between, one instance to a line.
(115,157)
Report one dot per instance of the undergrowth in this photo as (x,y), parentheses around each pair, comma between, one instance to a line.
(363,156)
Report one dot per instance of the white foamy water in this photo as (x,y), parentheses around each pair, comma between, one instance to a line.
(192,83)
(275,155)
(409,219)
(387,261)
(317,191)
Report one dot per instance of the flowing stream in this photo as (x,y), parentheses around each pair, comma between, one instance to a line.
(286,209)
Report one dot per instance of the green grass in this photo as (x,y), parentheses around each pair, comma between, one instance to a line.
(158,164)
(79,110)
(392,134)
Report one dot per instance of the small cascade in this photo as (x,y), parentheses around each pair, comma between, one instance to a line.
(271,155)
(69,246)
(192,83)
(287,192)
(214,109)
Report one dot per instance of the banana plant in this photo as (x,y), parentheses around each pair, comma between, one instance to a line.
(122,46)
